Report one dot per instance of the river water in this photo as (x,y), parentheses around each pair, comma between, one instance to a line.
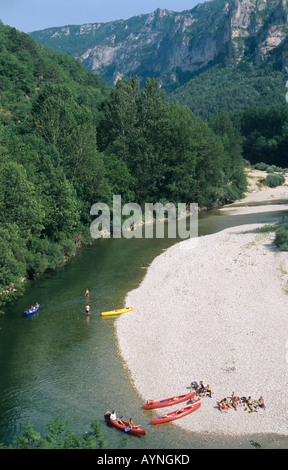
(60,362)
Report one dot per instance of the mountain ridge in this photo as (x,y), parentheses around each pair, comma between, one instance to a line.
(159,43)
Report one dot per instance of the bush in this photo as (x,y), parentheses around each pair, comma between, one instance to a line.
(59,436)
(260,166)
(281,239)
(273,180)
(270,169)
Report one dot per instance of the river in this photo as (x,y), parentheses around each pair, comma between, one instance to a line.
(61,362)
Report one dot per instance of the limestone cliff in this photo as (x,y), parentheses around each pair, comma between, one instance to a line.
(164,41)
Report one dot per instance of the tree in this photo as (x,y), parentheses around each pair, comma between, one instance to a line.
(234,180)
(70,129)
(18,201)
(119,178)
(53,113)
(59,436)
(13,261)
(181,157)
(133,129)
(119,128)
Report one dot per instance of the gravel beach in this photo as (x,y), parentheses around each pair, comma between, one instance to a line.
(214,309)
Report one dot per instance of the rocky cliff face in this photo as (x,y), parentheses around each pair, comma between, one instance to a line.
(162,42)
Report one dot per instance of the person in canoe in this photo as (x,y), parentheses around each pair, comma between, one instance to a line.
(87,309)
(113,417)
(87,293)
(131,424)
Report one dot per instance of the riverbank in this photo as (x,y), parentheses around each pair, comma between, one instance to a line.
(214,309)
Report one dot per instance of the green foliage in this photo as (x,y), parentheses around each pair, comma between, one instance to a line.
(171,154)
(255,444)
(281,239)
(59,436)
(265,135)
(28,438)
(230,89)
(13,261)
(274,180)
(120,179)
(18,202)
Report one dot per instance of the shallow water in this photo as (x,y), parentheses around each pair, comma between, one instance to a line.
(61,362)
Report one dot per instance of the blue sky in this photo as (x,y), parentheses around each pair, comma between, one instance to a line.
(31,15)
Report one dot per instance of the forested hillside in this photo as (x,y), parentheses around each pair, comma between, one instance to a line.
(68,141)
(230,89)
(50,169)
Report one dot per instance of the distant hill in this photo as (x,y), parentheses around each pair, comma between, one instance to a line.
(177,47)
(231,89)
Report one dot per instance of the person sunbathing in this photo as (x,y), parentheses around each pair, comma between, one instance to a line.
(224,404)
(193,399)
(201,388)
(234,402)
(250,404)
(261,403)
(208,391)
(194,385)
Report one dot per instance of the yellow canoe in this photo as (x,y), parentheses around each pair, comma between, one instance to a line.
(117,312)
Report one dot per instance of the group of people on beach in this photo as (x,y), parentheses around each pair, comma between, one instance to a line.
(225,404)
(201,389)
(235,401)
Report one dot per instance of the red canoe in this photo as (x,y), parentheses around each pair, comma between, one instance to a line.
(177,413)
(168,401)
(124,426)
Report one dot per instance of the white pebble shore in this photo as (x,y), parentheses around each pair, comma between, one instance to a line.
(213,309)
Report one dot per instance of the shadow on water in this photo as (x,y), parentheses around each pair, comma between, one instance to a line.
(62,362)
